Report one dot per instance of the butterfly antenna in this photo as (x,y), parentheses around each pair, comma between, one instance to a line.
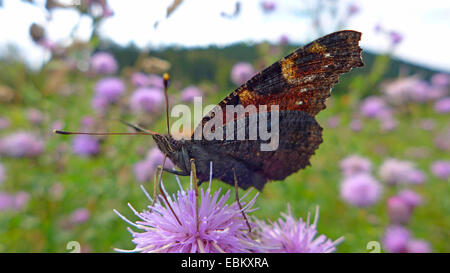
(61,132)
(136,127)
(166,79)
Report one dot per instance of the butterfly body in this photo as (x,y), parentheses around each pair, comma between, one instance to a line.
(299,85)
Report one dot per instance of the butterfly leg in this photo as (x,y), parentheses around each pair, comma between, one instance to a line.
(236,189)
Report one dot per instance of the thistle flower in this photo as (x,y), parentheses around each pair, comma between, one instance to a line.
(373,107)
(418,246)
(4,123)
(396,239)
(333,122)
(441,169)
(139,79)
(396,37)
(85,145)
(147,100)
(361,190)
(355,164)
(218,227)
(289,235)
(394,171)
(189,93)
(411,198)
(440,79)
(80,216)
(356,125)
(399,211)
(2,173)
(110,89)
(155,81)
(103,63)
(442,106)
(145,169)
(241,72)
(268,6)
(13,201)
(35,116)
(21,144)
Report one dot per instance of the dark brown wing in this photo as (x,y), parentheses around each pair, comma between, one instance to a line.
(299,136)
(302,80)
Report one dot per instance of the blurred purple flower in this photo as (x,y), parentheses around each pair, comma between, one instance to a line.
(155,81)
(289,235)
(284,39)
(361,190)
(219,227)
(2,173)
(241,72)
(353,9)
(139,79)
(99,104)
(356,125)
(399,211)
(442,106)
(427,124)
(333,122)
(35,116)
(189,93)
(442,140)
(440,79)
(407,89)
(4,123)
(411,198)
(418,246)
(103,63)
(355,164)
(373,107)
(109,88)
(441,169)
(57,125)
(21,144)
(85,145)
(13,201)
(80,216)
(87,122)
(146,100)
(388,123)
(268,6)
(394,171)
(396,239)
(145,169)
(396,37)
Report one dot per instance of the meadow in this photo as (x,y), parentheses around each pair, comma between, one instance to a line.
(55,189)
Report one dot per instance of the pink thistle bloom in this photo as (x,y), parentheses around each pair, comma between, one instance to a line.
(441,169)
(189,93)
(356,125)
(373,107)
(103,63)
(289,235)
(396,239)
(399,211)
(361,190)
(218,227)
(85,145)
(146,100)
(333,122)
(2,173)
(110,88)
(268,6)
(139,79)
(13,201)
(241,72)
(80,216)
(21,144)
(4,123)
(418,246)
(145,169)
(355,164)
(442,106)
(440,79)
(155,81)
(394,171)
(411,198)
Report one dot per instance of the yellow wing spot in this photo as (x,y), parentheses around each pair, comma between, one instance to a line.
(287,68)
(245,96)
(316,48)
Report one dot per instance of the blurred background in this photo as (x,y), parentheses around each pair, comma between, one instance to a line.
(382,174)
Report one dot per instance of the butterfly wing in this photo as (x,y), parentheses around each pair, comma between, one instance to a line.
(301,81)
(299,137)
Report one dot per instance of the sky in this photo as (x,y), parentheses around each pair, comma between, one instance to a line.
(425,25)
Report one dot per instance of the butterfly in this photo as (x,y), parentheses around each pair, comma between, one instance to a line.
(299,84)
